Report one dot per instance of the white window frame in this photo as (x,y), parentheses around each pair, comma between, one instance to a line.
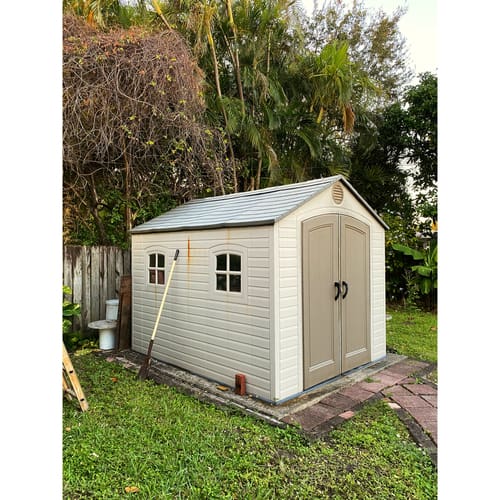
(227,295)
(156,268)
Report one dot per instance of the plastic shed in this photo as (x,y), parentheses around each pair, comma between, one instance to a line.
(285,285)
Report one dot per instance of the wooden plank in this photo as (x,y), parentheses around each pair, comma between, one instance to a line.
(124,314)
(103,261)
(68,268)
(126,262)
(94,284)
(77,285)
(118,270)
(86,288)
(111,291)
(70,373)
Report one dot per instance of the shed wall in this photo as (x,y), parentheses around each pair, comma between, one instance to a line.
(213,334)
(288,277)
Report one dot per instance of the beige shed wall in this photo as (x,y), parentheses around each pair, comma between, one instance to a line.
(288,362)
(213,334)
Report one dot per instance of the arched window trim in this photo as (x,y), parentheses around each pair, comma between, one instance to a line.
(239,278)
(155,267)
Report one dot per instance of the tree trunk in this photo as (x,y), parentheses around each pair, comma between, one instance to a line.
(219,94)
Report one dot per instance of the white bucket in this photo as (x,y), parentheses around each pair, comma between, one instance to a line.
(112,309)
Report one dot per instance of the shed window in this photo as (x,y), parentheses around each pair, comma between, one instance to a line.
(228,272)
(156,268)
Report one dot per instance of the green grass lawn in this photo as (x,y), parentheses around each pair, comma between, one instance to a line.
(169,445)
(413,334)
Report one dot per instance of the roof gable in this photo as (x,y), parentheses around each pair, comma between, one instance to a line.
(250,208)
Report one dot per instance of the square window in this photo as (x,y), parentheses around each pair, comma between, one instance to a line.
(234,283)
(234,262)
(221,262)
(156,268)
(221,282)
(161,277)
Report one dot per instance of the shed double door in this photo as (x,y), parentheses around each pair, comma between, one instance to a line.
(336,296)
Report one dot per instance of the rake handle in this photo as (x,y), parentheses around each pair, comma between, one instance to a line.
(163,301)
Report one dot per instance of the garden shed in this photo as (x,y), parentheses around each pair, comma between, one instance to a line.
(285,285)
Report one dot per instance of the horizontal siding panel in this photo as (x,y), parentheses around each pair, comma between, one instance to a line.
(204,342)
(223,315)
(289,272)
(260,282)
(288,262)
(258,292)
(259,262)
(288,323)
(287,253)
(288,282)
(289,344)
(204,358)
(289,334)
(212,334)
(215,371)
(288,292)
(244,335)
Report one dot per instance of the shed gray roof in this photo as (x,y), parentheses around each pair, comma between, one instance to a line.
(250,208)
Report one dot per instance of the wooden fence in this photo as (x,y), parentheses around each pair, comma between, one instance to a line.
(94,275)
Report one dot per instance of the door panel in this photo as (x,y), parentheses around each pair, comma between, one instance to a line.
(355,272)
(336,333)
(322,347)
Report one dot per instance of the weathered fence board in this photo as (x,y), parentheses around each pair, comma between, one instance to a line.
(94,275)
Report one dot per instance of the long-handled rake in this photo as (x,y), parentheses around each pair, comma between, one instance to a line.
(144,371)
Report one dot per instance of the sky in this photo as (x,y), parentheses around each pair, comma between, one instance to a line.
(418,26)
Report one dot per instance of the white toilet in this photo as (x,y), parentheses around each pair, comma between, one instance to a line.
(107,326)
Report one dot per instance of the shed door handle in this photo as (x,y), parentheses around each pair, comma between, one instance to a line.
(337,290)
(344,284)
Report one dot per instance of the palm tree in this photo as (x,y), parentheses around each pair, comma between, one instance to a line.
(332,83)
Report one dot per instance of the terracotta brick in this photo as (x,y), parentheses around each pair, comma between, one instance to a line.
(339,402)
(388,378)
(433,400)
(373,386)
(356,393)
(396,390)
(421,389)
(428,414)
(411,401)
(347,414)
(313,416)
(394,406)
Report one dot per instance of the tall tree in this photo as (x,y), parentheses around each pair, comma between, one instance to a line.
(421,101)
(375,43)
(133,130)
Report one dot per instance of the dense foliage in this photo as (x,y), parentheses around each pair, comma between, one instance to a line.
(165,101)
(133,130)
